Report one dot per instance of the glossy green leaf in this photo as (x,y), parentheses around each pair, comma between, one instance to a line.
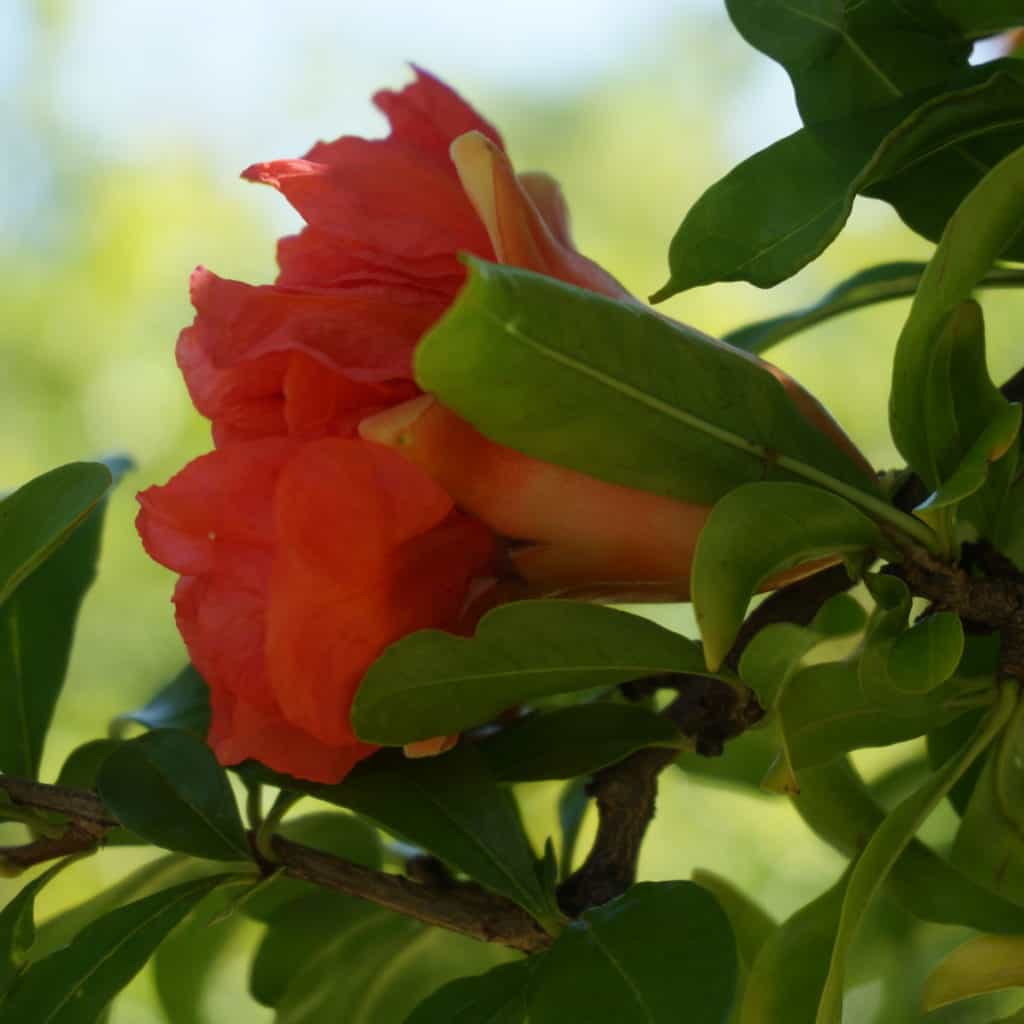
(184,703)
(74,984)
(743,763)
(432,683)
(343,835)
(37,625)
(40,516)
(329,958)
(572,741)
(989,845)
(986,963)
(79,771)
(572,808)
(990,445)
(449,805)
(869,287)
(498,997)
(823,711)
(168,788)
(843,58)
(941,347)
(927,654)
(887,843)
(18,927)
(840,809)
(786,980)
(618,392)
(776,651)
(760,530)
(754,225)
(629,978)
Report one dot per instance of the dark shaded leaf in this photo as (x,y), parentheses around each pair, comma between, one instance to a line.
(40,516)
(574,741)
(184,703)
(37,625)
(73,985)
(432,683)
(572,808)
(751,924)
(866,288)
(498,997)
(618,392)
(168,788)
(604,966)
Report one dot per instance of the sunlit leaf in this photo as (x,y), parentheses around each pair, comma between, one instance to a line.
(941,348)
(432,683)
(168,787)
(630,979)
(887,842)
(618,392)
(574,741)
(986,963)
(760,530)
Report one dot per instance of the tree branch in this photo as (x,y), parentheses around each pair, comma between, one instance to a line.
(462,907)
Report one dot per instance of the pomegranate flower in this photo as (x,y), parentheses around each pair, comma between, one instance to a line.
(342,508)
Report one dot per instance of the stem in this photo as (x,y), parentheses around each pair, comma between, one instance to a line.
(264,833)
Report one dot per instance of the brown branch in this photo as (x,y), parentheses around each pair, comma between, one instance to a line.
(462,907)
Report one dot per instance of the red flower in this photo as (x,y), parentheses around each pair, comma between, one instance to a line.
(342,508)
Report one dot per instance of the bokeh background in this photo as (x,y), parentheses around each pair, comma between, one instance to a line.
(125,126)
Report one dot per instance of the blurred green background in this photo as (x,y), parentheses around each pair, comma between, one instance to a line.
(125,126)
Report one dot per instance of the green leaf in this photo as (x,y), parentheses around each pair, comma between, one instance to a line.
(40,516)
(977,19)
(989,845)
(842,58)
(73,985)
(79,771)
(572,808)
(760,530)
(743,763)
(655,405)
(823,712)
(329,958)
(183,963)
(927,654)
(941,347)
(986,963)
(499,996)
(574,741)
(343,835)
(184,703)
(782,207)
(751,924)
(167,787)
(972,472)
(888,842)
(449,805)
(18,927)
(785,983)
(37,625)
(604,966)
(432,683)
(840,809)
(869,287)
(776,651)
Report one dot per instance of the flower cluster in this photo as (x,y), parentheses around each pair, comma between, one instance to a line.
(342,508)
